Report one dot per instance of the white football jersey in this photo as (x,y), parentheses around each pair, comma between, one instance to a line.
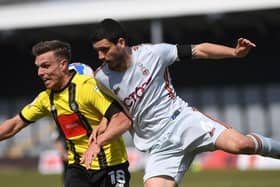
(145,89)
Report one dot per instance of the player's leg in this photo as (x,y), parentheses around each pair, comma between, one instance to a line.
(163,181)
(170,157)
(164,168)
(232,141)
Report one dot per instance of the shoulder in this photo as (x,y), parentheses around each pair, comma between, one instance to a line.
(86,88)
(163,47)
(44,95)
(38,108)
(42,100)
(159,48)
(84,80)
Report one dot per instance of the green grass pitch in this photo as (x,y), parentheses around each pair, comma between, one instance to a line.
(192,179)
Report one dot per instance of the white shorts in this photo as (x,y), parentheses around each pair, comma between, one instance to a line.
(187,135)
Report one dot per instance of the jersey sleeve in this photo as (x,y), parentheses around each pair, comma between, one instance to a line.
(166,52)
(37,109)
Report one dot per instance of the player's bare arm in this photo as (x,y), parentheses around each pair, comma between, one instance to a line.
(217,51)
(11,126)
(98,130)
(118,124)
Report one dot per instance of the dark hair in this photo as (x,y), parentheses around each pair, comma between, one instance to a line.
(108,29)
(61,49)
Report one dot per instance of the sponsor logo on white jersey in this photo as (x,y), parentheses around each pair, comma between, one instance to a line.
(131,99)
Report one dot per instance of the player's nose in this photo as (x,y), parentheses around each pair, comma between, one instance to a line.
(101,55)
(40,72)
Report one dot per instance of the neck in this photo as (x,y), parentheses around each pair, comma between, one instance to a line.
(66,80)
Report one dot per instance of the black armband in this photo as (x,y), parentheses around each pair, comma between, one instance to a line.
(184,52)
(114,108)
(24,119)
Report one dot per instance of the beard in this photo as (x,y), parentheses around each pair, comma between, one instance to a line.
(118,60)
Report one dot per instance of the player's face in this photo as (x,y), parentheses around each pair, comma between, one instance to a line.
(50,70)
(110,53)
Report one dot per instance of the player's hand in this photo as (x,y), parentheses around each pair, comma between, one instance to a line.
(90,154)
(98,130)
(243,47)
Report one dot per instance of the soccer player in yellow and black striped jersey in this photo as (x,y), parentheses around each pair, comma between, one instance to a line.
(77,106)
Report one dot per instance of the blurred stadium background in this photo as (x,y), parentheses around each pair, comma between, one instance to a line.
(242,92)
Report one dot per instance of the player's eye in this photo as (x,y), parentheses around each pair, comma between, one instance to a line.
(104,49)
(45,65)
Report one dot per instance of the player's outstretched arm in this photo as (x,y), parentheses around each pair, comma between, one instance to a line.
(11,126)
(216,51)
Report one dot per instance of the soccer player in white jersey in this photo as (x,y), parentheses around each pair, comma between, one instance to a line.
(163,124)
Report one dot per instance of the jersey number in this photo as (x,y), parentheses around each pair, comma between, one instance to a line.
(117,177)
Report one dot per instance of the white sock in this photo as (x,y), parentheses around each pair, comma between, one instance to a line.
(267,146)
(255,141)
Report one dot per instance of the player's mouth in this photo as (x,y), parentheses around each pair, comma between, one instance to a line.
(46,81)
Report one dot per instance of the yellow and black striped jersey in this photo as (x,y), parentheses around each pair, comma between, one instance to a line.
(92,104)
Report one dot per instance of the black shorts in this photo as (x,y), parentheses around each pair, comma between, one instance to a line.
(113,176)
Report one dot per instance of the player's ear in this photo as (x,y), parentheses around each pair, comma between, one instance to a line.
(64,63)
(121,42)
